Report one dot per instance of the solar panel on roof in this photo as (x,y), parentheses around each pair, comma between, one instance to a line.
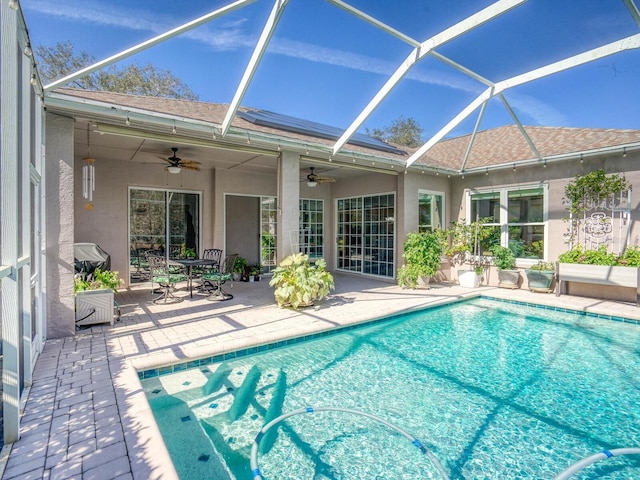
(298,125)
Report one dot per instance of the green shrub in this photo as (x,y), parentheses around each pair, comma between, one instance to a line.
(422,253)
(97,281)
(630,257)
(503,257)
(578,254)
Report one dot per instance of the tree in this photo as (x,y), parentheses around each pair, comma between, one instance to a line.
(402,131)
(60,60)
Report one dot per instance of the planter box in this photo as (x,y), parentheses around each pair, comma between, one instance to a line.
(615,276)
(94,306)
(508,278)
(540,280)
(469,279)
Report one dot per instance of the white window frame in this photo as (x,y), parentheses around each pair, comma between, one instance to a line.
(444,209)
(504,214)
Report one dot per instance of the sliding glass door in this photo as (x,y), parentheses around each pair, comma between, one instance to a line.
(165,222)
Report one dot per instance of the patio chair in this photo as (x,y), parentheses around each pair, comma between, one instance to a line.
(161,274)
(215,256)
(217,279)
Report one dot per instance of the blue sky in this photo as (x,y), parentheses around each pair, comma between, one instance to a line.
(324,64)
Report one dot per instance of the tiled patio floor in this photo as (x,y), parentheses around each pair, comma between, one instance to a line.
(86,416)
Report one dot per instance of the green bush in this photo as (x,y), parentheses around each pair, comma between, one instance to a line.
(97,281)
(422,253)
(629,258)
(503,257)
(578,254)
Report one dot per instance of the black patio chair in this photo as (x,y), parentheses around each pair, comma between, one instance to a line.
(215,256)
(217,279)
(162,275)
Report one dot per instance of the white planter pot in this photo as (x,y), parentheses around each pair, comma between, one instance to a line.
(423,283)
(94,306)
(469,279)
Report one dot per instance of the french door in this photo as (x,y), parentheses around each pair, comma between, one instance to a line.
(366,234)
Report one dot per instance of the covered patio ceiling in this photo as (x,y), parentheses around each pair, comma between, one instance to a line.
(454,48)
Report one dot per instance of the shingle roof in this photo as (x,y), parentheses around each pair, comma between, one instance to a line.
(208,112)
(498,146)
(507,145)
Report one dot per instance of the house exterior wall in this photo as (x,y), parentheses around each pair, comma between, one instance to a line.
(60,226)
(107,224)
(556,176)
(228,182)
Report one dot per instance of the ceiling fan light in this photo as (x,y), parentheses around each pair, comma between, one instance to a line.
(174,169)
(312,183)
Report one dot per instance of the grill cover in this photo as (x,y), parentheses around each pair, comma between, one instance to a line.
(88,257)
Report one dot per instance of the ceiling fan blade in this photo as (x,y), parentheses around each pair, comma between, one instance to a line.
(189,162)
(189,167)
(325,180)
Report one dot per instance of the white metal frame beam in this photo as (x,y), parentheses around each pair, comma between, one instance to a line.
(420,50)
(149,43)
(633,10)
(258,52)
(628,43)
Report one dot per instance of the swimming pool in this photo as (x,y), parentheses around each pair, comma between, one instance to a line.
(493,389)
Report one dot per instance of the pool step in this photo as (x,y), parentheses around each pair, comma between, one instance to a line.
(244,394)
(274,411)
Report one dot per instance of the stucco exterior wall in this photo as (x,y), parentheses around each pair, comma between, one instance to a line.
(228,182)
(556,176)
(60,226)
(107,223)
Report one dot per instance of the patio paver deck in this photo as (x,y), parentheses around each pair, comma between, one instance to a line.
(86,416)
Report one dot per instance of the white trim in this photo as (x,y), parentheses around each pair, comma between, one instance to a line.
(503,223)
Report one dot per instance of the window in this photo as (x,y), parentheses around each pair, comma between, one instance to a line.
(518,216)
(268,229)
(430,211)
(312,227)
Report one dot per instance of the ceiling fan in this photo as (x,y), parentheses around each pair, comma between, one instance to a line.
(313,179)
(176,164)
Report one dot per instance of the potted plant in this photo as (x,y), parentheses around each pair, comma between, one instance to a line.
(505,260)
(94,302)
(254,272)
(299,283)
(464,249)
(240,269)
(422,254)
(540,277)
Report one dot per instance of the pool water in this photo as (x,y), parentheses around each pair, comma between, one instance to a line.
(492,389)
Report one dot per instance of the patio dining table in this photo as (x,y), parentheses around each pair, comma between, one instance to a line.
(189,263)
